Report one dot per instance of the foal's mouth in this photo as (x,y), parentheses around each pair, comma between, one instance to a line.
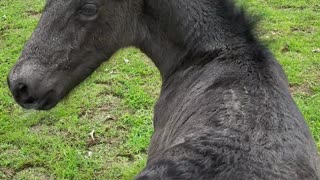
(46,102)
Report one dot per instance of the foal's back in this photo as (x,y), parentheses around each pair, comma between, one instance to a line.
(230,118)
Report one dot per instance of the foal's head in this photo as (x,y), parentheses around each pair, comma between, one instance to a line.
(71,40)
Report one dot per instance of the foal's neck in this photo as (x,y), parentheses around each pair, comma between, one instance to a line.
(180,30)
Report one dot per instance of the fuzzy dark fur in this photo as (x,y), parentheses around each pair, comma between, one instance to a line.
(225,110)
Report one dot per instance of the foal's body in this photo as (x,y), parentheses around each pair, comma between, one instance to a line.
(230,120)
(225,110)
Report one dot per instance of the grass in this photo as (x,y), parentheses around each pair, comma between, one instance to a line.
(117,100)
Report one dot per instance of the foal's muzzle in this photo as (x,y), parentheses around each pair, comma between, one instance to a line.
(31,90)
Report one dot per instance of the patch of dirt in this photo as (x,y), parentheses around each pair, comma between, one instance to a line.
(285,48)
(93,142)
(4,28)
(103,110)
(102,115)
(292,7)
(43,129)
(303,89)
(27,165)
(308,30)
(102,82)
(130,157)
(32,13)
(111,93)
(47,130)
(275,32)
(114,141)
(37,128)
(10,152)
(7,172)
(34,173)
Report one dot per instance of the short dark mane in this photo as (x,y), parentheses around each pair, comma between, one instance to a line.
(242,22)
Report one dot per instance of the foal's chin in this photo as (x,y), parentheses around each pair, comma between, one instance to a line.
(53,97)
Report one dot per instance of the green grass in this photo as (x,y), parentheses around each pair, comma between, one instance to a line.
(117,100)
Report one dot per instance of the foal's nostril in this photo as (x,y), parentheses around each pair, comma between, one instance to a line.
(22,89)
(23,94)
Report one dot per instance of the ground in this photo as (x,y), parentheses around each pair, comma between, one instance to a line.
(102,129)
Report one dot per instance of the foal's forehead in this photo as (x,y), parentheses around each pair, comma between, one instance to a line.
(61,3)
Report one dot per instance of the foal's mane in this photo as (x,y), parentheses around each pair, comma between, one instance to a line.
(242,22)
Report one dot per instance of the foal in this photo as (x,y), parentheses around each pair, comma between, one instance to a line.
(225,111)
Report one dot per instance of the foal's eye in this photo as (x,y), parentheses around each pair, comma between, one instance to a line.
(89,9)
